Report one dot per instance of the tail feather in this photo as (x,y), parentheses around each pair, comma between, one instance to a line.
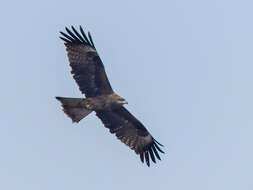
(73,108)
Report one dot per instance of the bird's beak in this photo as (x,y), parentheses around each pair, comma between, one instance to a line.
(124,102)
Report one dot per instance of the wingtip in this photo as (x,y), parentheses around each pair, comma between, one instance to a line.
(158,142)
(147,158)
(150,153)
(57,97)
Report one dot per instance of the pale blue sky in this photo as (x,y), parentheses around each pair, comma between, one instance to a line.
(185,67)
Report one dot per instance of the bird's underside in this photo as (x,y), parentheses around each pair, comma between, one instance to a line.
(88,72)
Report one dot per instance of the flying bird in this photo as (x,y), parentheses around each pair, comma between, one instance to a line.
(89,73)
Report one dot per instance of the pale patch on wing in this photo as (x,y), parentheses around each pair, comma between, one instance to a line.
(144,141)
(136,143)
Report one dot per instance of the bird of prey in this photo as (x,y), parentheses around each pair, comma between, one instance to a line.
(89,73)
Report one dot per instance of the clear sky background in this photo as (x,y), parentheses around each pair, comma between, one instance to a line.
(185,67)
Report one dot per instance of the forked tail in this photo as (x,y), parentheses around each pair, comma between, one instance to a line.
(72,107)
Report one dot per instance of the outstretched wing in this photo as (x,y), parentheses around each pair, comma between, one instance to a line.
(132,133)
(87,67)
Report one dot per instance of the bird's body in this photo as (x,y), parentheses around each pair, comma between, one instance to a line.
(88,71)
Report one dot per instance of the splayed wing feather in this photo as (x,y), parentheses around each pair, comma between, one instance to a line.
(65,40)
(156,153)
(158,147)
(158,142)
(142,157)
(151,154)
(147,158)
(72,35)
(77,34)
(67,36)
(84,35)
(91,39)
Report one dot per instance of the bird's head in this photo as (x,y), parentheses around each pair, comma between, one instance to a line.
(121,101)
(116,99)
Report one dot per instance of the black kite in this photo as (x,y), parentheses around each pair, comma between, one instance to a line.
(89,73)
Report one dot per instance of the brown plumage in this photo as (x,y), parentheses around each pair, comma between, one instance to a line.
(89,73)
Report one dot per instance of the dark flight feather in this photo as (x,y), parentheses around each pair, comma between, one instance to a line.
(156,153)
(67,37)
(91,39)
(84,35)
(73,36)
(142,157)
(147,158)
(151,154)
(77,34)
(158,147)
(65,40)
